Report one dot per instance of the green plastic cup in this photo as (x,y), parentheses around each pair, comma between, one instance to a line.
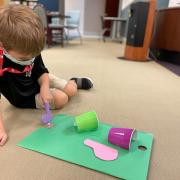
(86,122)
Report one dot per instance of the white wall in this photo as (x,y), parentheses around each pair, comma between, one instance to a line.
(93,10)
(174,3)
(90,24)
(61,6)
(126,3)
(76,5)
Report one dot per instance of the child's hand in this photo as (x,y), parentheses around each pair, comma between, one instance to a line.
(45,94)
(3,137)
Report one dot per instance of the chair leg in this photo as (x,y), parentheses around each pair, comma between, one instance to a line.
(49,37)
(102,34)
(62,37)
(66,36)
(81,41)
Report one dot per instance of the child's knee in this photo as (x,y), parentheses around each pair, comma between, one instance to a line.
(71,89)
(60,99)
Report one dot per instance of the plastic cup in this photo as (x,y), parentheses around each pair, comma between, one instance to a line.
(122,137)
(86,122)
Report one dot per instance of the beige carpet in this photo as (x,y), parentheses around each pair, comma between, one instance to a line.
(129,94)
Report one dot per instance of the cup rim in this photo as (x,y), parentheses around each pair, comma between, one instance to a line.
(131,138)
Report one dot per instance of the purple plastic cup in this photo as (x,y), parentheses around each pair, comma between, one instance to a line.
(122,137)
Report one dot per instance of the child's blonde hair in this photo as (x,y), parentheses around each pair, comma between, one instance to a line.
(21,30)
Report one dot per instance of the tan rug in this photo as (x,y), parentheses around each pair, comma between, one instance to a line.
(145,96)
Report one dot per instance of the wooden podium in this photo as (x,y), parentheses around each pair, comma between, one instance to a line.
(1,2)
(140,30)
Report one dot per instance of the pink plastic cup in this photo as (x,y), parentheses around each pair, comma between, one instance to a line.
(122,137)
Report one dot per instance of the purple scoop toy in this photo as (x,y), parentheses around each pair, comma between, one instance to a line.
(47,117)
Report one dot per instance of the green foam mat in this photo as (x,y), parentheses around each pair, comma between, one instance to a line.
(63,142)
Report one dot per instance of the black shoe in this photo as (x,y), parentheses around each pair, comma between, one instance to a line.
(83,83)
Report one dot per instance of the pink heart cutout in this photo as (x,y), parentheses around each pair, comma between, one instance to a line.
(102,151)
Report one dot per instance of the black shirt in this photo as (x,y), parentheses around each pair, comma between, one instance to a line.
(20,89)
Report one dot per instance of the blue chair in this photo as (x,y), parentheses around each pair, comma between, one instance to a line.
(72,22)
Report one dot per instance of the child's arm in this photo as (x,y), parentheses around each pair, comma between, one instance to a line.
(44,88)
(3,135)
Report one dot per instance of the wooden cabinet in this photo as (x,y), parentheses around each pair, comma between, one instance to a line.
(166,33)
(165,44)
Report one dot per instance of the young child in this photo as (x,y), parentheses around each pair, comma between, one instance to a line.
(24,79)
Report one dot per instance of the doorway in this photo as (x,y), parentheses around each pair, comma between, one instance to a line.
(112,10)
